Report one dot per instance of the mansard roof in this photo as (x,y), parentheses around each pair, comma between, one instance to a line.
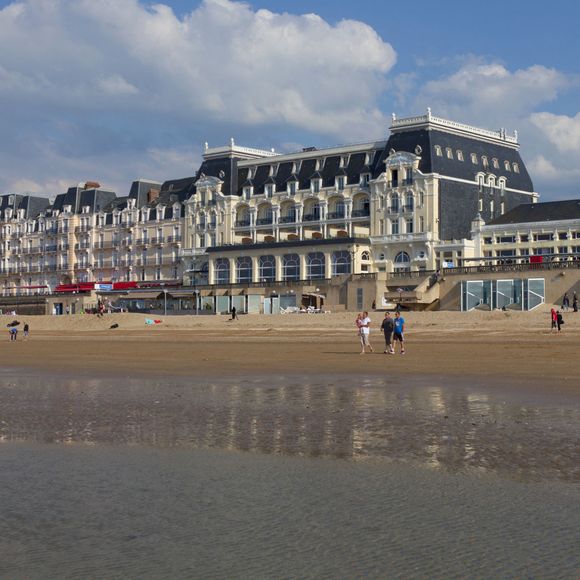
(423,141)
(184,187)
(540,212)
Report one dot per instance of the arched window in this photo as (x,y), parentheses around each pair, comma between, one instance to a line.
(244,269)
(267,269)
(291,267)
(222,271)
(438,151)
(395,203)
(516,168)
(340,262)
(365,256)
(474,158)
(315,265)
(449,152)
(507,166)
(242,216)
(459,155)
(409,202)
(402,260)
(265,214)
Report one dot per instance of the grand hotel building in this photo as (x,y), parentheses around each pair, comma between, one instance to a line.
(341,224)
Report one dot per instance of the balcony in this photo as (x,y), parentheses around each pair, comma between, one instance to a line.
(83,229)
(63,247)
(267,221)
(127,242)
(242,223)
(51,248)
(287,219)
(336,215)
(174,239)
(158,240)
(311,217)
(358,213)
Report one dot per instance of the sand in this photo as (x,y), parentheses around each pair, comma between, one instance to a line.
(516,347)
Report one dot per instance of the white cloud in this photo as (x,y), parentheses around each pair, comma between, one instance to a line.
(118,81)
(490,93)
(561,130)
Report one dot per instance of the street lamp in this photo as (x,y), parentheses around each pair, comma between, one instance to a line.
(165,301)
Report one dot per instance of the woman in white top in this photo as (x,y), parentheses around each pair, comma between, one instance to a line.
(364,324)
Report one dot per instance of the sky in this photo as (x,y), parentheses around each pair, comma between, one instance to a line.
(116,90)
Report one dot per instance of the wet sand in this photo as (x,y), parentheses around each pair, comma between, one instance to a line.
(515,347)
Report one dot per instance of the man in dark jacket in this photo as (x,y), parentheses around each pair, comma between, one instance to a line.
(387,327)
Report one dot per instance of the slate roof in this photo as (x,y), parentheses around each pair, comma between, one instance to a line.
(540,212)
(432,163)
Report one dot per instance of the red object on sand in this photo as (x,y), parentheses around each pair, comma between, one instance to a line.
(157,321)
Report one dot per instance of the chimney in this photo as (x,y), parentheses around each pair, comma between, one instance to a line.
(152,194)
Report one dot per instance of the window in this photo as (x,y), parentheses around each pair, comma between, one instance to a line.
(480,205)
(395,203)
(409,225)
(365,256)
(341,263)
(315,186)
(524,238)
(292,187)
(315,265)
(516,168)
(543,237)
(506,239)
(562,235)
(484,161)
(340,182)
(269,190)
(459,155)
(507,166)
(395,226)
(364,179)
(222,271)
(474,158)
(402,260)
(267,265)
(291,267)
(449,152)
(488,241)
(421,224)
(491,207)
(409,202)
(244,269)
(495,163)
(438,151)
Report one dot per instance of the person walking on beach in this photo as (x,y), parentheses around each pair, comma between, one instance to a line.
(234,313)
(398,335)
(365,323)
(559,320)
(554,319)
(565,302)
(26,330)
(387,326)
(575,303)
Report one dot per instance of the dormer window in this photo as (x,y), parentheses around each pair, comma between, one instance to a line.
(315,185)
(318,164)
(459,154)
(340,182)
(269,190)
(247,192)
(491,180)
(343,160)
(474,159)
(495,163)
(484,160)
(449,152)
(368,158)
(364,179)
(292,187)
(438,151)
(507,166)
(516,168)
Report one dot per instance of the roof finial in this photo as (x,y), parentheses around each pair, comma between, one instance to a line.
(428,112)
(394,116)
(232,142)
(516,134)
(206,145)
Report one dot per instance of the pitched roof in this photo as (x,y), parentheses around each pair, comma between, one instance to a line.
(540,212)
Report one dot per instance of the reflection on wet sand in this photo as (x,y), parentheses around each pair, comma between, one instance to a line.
(446,427)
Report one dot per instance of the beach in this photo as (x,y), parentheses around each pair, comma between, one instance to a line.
(201,447)
(514,347)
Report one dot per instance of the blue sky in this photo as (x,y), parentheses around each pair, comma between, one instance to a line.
(113,90)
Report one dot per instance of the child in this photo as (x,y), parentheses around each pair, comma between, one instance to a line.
(26,330)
